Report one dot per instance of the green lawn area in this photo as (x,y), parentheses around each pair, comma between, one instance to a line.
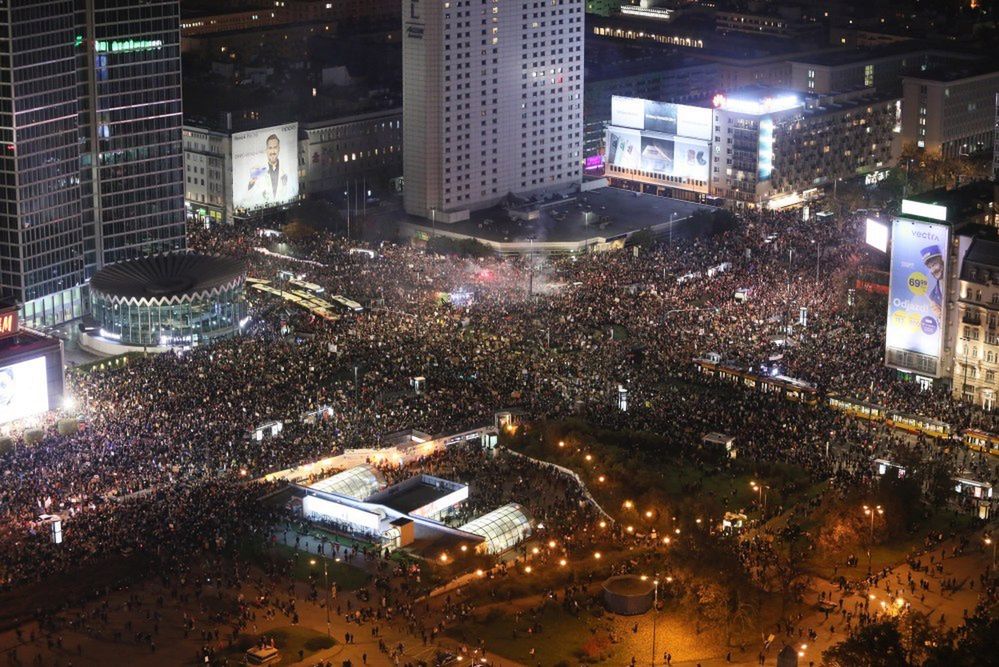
(289,641)
(302,566)
(632,468)
(890,553)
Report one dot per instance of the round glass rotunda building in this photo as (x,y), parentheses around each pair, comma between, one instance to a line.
(170,300)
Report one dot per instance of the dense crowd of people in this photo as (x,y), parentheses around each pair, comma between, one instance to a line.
(165,440)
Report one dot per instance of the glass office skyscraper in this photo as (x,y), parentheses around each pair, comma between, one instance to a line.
(90,115)
(41,234)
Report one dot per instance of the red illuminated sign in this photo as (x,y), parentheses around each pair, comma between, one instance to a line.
(8,323)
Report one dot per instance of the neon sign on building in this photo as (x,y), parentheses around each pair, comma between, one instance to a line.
(119,46)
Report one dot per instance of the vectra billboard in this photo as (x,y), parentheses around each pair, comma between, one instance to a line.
(917,295)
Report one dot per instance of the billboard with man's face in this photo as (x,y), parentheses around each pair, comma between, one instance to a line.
(23,390)
(917,294)
(265,167)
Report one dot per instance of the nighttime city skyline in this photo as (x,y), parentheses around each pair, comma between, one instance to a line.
(507,333)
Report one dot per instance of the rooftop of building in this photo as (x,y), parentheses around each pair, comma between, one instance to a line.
(731,44)
(855,55)
(609,60)
(954,69)
(25,343)
(981,261)
(168,276)
(414,493)
(962,203)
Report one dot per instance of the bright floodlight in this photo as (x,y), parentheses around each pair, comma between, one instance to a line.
(877,235)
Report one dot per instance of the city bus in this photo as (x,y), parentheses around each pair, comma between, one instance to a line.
(981,441)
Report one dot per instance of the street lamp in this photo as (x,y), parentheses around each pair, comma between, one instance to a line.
(761,489)
(871,512)
(655,613)
(988,541)
(530,275)
(326,584)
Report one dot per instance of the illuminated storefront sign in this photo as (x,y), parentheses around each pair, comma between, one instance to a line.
(8,322)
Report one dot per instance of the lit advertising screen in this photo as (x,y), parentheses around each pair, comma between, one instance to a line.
(624,148)
(23,390)
(660,138)
(661,117)
(877,235)
(628,112)
(693,122)
(657,155)
(690,159)
(917,290)
(265,167)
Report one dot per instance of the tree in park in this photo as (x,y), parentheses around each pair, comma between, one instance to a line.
(876,645)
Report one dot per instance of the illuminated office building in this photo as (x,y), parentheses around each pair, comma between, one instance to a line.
(90,117)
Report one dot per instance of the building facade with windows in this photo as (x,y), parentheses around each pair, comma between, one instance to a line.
(92,129)
(41,233)
(365,147)
(950,111)
(492,102)
(207,175)
(330,155)
(976,359)
(130,115)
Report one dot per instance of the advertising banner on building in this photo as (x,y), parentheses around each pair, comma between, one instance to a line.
(661,117)
(628,112)
(624,148)
(23,390)
(917,291)
(690,159)
(265,167)
(657,155)
(693,122)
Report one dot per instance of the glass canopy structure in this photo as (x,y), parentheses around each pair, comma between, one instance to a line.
(359,482)
(502,529)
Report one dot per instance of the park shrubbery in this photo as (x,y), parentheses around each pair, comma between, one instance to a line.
(443,245)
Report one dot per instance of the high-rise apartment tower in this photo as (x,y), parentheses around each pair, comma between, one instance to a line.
(492,101)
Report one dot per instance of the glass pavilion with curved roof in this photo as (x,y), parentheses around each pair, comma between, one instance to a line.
(502,529)
(359,482)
